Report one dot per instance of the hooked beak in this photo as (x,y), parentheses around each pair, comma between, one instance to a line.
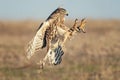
(67,14)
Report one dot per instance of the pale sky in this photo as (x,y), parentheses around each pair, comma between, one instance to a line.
(37,9)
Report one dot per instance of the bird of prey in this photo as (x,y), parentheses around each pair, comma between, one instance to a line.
(52,34)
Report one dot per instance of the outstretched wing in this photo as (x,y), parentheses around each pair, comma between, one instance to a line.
(38,41)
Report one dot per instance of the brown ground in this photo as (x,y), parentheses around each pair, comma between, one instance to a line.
(94,55)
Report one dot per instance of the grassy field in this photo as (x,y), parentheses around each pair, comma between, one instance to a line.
(94,55)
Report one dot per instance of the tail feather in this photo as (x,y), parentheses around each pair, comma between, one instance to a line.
(54,56)
(58,55)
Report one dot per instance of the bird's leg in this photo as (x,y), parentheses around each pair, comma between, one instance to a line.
(75,28)
(65,38)
(69,32)
(41,64)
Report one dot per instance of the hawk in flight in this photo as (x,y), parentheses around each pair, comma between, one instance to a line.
(52,34)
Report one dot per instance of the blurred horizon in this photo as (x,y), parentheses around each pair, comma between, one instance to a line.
(36,9)
(94,55)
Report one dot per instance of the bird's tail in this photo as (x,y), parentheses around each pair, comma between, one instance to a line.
(54,56)
(58,55)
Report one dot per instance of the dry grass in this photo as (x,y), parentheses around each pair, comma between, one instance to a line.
(94,55)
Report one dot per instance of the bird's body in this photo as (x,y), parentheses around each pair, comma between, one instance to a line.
(52,34)
(47,34)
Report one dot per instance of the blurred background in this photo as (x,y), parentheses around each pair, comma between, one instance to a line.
(94,55)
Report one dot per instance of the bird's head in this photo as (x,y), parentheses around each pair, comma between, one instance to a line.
(62,11)
(59,13)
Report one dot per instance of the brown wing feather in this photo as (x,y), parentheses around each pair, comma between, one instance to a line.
(37,42)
